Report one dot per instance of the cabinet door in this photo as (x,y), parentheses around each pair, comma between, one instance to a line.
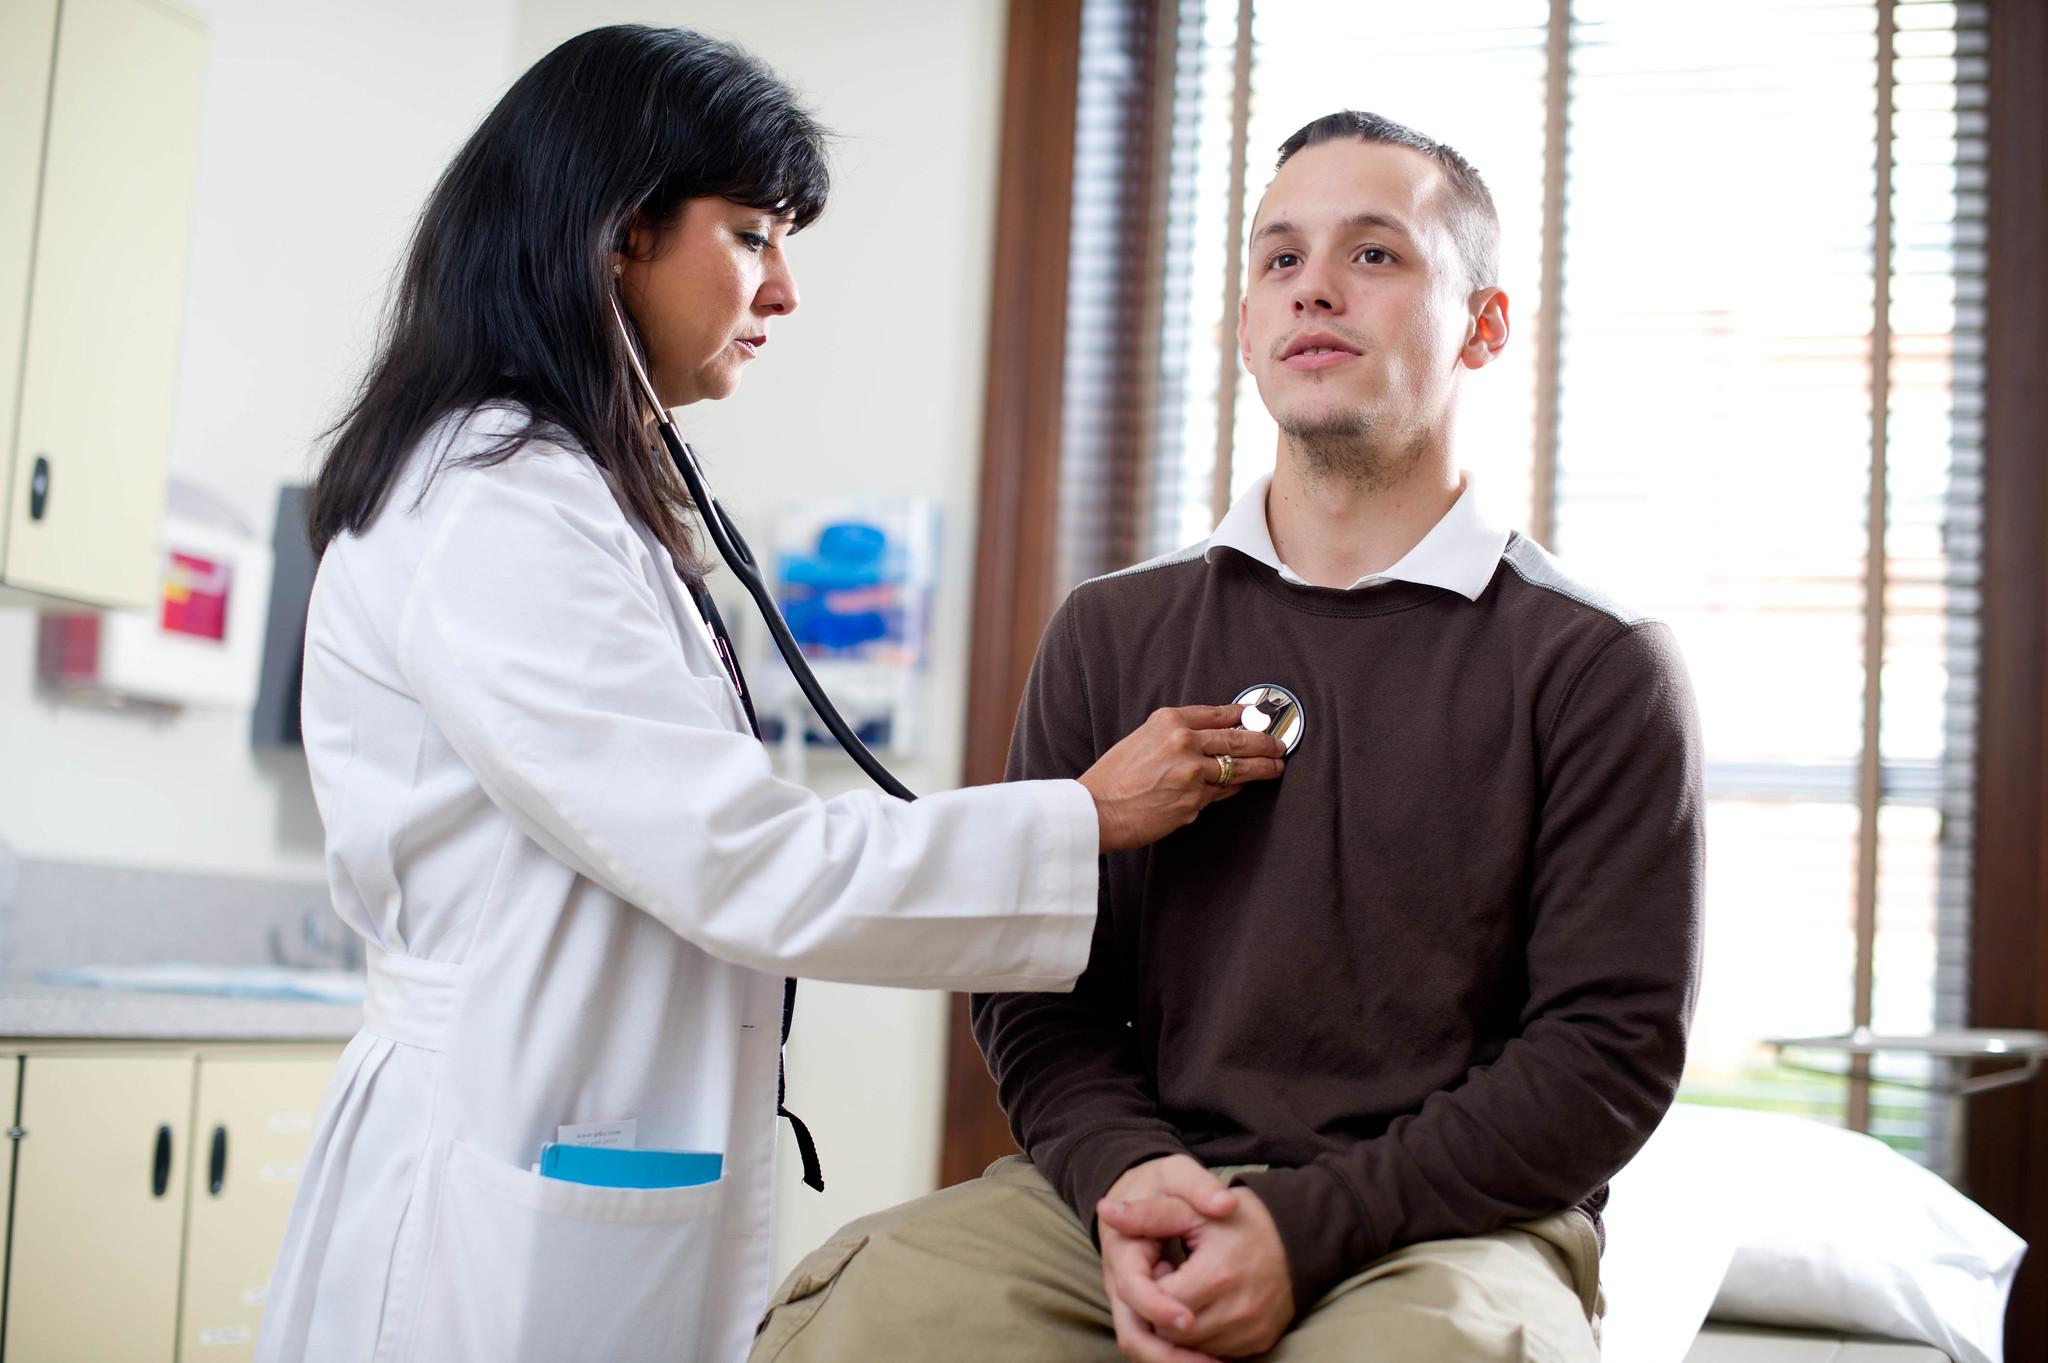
(251,1125)
(28,39)
(10,1081)
(99,1208)
(106,303)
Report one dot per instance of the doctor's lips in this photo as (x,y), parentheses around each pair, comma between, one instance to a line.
(750,344)
(1315,349)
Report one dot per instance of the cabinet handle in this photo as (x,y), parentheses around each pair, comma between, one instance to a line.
(217,1161)
(39,488)
(160,1177)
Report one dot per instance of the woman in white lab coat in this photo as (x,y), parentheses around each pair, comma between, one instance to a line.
(580,883)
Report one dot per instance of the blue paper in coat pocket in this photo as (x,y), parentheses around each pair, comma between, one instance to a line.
(610,1167)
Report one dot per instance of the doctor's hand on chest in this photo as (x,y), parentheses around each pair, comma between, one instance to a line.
(1172,767)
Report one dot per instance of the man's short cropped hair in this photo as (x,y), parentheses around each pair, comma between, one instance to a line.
(1474,224)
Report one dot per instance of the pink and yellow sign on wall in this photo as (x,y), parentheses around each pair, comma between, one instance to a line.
(196,595)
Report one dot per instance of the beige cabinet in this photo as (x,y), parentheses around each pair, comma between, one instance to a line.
(251,1123)
(10,1080)
(28,35)
(99,1207)
(99,124)
(150,1185)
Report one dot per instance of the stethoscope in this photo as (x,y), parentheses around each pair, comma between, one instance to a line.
(732,547)
(1269,707)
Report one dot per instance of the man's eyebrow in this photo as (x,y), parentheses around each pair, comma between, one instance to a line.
(1283,228)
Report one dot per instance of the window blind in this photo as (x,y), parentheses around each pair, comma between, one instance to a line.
(1110,369)
(1747,327)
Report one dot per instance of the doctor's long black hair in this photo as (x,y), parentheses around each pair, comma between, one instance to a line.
(504,292)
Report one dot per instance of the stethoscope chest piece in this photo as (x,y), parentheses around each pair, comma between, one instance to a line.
(1273,709)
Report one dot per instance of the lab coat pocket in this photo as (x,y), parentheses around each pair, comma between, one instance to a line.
(525,1268)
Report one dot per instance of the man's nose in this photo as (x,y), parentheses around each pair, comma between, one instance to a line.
(1319,287)
(1309,300)
(1312,299)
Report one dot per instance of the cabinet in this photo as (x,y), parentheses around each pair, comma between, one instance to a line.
(251,1123)
(150,1192)
(99,1207)
(99,124)
(28,34)
(10,1075)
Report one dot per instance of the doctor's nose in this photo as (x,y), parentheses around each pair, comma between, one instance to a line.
(778,293)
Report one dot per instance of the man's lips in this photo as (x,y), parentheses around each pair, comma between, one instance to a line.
(749,345)
(1317,350)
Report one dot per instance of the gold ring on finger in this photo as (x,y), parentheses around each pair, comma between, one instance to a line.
(1223,768)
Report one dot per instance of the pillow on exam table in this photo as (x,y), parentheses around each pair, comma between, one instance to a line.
(1828,1229)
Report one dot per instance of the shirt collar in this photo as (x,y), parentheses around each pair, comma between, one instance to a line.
(1458,554)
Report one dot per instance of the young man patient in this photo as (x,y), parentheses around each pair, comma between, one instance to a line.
(1354,1057)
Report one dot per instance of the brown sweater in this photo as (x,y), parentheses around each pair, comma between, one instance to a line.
(1439,974)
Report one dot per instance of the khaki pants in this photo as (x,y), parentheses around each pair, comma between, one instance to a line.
(1000,1271)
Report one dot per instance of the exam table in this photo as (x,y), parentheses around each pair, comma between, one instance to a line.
(1756,1237)
(1719,1342)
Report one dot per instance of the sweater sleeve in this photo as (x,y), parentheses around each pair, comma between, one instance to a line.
(1612,952)
(1065,1065)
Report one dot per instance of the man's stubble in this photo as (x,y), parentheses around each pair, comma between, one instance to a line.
(1353,447)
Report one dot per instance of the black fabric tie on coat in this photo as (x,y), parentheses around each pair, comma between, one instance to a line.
(806,1147)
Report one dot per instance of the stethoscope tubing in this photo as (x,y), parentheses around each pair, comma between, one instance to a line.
(732,547)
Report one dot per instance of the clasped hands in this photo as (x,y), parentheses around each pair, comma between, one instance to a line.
(1231,1296)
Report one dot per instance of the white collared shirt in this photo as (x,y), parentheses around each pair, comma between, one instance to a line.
(1458,554)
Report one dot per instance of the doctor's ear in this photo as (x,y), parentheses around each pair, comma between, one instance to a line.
(638,244)
(641,241)
(1487,334)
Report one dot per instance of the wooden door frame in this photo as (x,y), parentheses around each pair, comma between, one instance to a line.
(2006,1167)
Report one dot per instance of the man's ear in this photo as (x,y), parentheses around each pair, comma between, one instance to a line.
(1244,341)
(1487,333)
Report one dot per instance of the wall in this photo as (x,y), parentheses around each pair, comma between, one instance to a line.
(322,128)
(874,385)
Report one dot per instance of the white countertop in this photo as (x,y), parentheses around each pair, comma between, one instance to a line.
(32,1010)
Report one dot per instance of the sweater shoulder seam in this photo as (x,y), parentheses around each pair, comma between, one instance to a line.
(1185,554)
(1537,569)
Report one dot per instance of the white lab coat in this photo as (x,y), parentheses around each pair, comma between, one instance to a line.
(582,886)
